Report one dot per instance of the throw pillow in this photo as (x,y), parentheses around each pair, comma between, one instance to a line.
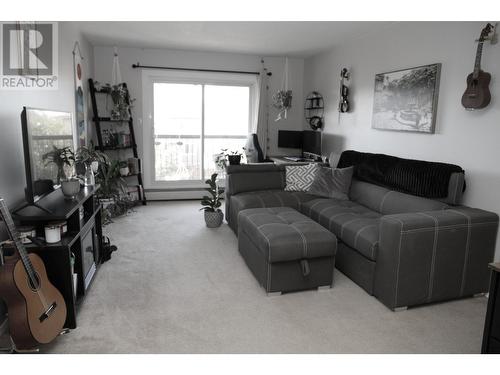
(332,183)
(300,177)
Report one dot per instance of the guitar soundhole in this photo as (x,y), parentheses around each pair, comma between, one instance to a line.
(34,284)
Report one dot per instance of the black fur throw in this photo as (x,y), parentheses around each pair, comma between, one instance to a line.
(417,177)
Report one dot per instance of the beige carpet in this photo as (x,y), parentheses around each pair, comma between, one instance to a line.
(175,286)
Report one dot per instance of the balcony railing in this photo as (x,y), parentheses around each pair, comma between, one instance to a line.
(179,158)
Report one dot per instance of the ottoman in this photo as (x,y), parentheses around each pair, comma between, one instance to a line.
(285,250)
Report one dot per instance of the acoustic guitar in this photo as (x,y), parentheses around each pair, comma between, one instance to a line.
(477,95)
(36,309)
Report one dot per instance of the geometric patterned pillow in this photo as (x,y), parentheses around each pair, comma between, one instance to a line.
(300,177)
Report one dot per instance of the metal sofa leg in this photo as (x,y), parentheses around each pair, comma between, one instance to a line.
(273,294)
(324,287)
(402,308)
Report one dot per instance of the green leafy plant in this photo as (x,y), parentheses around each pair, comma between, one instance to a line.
(213,202)
(232,152)
(111,183)
(90,154)
(61,157)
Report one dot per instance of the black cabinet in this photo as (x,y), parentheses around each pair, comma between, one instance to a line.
(71,263)
(491,338)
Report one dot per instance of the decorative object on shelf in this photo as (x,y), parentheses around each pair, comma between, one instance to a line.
(25,232)
(283,98)
(477,94)
(81,122)
(344,105)
(134,165)
(89,177)
(406,100)
(314,109)
(124,170)
(52,233)
(211,204)
(25,287)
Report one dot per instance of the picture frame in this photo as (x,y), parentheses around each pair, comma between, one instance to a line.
(406,100)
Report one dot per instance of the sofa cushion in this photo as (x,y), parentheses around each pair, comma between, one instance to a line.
(353,224)
(284,234)
(389,202)
(332,183)
(266,198)
(300,177)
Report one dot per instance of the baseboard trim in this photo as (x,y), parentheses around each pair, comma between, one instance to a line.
(152,195)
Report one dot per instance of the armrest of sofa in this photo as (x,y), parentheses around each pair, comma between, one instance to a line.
(434,256)
(252,177)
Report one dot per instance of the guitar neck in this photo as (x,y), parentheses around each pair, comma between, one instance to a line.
(14,235)
(477,63)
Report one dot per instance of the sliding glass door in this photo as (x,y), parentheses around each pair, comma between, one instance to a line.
(191,122)
(178,110)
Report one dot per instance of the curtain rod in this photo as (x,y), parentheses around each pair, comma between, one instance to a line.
(139,66)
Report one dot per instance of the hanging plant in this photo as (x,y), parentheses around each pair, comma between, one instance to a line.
(282,100)
(119,94)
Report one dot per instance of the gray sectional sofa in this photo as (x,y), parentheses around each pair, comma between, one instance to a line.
(404,249)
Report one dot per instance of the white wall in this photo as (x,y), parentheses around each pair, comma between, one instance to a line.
(469,139)
(12,176)
(203,60)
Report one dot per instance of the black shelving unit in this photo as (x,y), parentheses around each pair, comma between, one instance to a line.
(97,119)
(82,242)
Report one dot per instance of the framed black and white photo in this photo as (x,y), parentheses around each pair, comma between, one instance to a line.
(406,100)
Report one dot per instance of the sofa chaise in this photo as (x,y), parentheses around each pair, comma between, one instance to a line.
(402,235)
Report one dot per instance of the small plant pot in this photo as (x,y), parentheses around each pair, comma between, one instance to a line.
(213,219)
(106,202)
(124,171)
(234,159)
(70,188)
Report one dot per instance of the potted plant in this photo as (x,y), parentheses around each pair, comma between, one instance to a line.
(211,204)
(64,159)
(111,182)
(91,157)
(234,157)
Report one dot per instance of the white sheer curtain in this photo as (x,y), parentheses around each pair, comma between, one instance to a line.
(259,116)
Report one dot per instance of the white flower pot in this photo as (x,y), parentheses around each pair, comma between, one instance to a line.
(124,171)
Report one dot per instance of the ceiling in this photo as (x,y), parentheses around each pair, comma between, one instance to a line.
(299,39)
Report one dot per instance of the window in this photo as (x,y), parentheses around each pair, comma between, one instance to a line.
(192,119)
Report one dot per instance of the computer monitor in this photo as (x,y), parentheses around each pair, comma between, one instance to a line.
(290,139)
(311,142)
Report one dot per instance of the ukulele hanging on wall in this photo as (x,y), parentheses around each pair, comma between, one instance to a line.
(477,95)
(344,105)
